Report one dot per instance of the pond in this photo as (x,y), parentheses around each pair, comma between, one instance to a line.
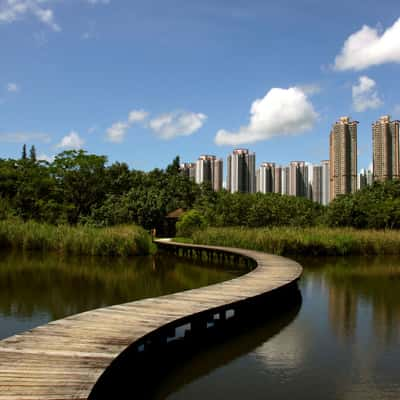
(342,343)
(37,288)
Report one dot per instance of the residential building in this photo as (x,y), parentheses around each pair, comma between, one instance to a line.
(343,157)
(266,178)
(209,170)
(241,168)
(317,188)
(285,179)
(325,185)
(298,179)
(188,170)
(385,142)
(278,179)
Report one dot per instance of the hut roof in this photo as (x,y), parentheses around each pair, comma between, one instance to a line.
(176,214)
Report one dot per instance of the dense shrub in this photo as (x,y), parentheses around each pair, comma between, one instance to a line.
(190,222)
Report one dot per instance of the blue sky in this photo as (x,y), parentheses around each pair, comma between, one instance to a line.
(142,82)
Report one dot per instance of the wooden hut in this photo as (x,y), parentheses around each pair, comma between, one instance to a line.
(171,219)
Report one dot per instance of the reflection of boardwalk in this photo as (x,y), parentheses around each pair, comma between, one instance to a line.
(64,359)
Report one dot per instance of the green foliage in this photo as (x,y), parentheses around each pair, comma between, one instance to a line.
(80,188)
(5,209)
(80,180)
(376,207)
(32,154)
(258,210)
(80,240)
(23,154)
(190,222)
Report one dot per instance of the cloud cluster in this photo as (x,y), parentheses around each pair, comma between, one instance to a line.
(117,131)
(45,157)
(14,10)
(368,47)
(279,112)
(365,95)
(71,141)
(171,125)
(166,126)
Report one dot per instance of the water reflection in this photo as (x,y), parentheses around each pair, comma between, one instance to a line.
(36,288)
(361,287)
(344,343)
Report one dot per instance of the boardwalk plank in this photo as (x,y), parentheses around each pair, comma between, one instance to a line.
(64,359)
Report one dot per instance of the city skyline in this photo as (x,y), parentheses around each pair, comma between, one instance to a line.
(127,80)
(318,182)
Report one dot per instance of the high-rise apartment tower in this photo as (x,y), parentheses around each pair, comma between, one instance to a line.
(266,178)
(209,170)
(385,141)
(241,168)
(325,164)
(343,157)
(298,179)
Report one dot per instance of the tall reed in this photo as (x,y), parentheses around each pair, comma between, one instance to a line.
(127,240)
(304,241)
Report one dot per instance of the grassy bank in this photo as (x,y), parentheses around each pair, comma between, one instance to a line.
(304,241)
(81,240)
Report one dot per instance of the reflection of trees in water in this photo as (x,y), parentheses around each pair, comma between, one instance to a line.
(352,280)
(38,283)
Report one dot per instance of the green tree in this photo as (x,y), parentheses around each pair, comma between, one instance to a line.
(32,154)
(81,183)
(24,154)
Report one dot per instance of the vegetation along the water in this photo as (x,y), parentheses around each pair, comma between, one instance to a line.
(61,205)
(128,240)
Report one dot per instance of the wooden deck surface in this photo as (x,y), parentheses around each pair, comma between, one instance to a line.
(65,358)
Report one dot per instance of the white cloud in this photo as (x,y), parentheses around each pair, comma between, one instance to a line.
(183,123)
(71,141)
(166,126)
(279,112)
(365,95)
(137,116)
(368,47)
(22,137)
(116,133)
(12,87)
(14,10)
(310,89)
(45,157)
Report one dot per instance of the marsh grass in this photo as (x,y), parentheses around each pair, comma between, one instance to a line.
(126,240)
(315,241)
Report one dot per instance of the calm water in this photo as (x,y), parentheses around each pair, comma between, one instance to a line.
(35,289)
(342,343)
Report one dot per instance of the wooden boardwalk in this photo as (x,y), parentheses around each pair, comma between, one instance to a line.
(64,359)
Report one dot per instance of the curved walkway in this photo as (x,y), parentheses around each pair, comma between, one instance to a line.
(64,359)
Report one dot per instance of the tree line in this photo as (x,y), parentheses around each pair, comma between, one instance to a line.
(81,188)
